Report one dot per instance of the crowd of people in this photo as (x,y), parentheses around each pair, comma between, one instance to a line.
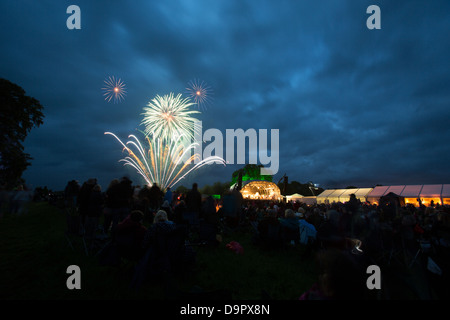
(144,219)
(347,237)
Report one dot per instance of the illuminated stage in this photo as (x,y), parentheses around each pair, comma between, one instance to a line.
(261,190)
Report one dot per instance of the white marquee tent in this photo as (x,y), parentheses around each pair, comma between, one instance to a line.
(438,193)
(342,195)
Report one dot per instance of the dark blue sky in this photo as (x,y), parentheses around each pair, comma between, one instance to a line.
(354,106)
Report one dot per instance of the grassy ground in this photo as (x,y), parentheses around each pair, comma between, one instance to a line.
(35,255)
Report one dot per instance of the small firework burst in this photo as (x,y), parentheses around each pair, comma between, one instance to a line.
(199,92)
(115,88)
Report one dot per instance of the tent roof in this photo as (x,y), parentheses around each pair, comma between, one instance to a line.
(431,190)
(395,189)
(336,193)
(362,192)
(411,191)
(378,191)
(405,191)
(348,192)
(326,193)
(446,191)
(295,196)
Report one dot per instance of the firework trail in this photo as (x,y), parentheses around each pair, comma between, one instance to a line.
(200,92)
(114,89)
(168,117)
(164,162)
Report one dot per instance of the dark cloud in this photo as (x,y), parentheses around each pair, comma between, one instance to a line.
(353,106)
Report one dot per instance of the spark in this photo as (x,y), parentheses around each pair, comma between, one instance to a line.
(164,163)
(169,117)
(114,89)
(200,92)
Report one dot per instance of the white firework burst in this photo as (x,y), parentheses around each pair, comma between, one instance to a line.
(168,117)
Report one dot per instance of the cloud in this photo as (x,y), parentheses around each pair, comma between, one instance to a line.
(353,106)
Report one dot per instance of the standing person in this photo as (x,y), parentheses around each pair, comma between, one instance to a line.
(168,196)
(83,197)
(144,203)
(94,211)
(71,193)
(179,212)
(111,204)
(155,197)
(95,203)
(124,193)
(193,204)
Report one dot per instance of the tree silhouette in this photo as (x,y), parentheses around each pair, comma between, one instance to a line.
(19,114)
(250,172)
(305,189)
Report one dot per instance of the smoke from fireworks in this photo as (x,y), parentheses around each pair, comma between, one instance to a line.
(164,162)
(169,117)
(200,92)
(114,89)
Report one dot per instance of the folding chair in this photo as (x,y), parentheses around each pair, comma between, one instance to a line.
(424,248)
(94,236)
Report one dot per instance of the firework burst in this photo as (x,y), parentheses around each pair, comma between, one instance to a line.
(169,117)
(164,163)
(200,92)
(114,89)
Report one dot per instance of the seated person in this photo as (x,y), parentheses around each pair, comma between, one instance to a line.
(308,231)
(161,225)
(129,236)
(329,234)
(168,209)
(290,226)
(165,247)
(269,229)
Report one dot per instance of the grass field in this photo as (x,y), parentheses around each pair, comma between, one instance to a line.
(35,255)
